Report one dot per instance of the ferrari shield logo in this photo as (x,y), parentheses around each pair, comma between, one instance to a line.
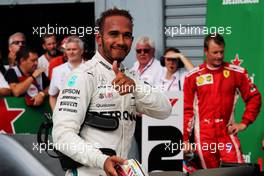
(226,73)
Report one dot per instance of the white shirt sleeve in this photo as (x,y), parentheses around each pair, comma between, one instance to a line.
(150,101)
(3,82)
(53,88)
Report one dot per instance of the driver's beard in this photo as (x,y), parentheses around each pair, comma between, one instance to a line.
(53,53)
(107,54)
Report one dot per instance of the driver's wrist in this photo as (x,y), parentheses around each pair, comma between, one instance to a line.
(34,77)
(42,94)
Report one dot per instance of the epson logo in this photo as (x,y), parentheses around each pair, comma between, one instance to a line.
(71,91)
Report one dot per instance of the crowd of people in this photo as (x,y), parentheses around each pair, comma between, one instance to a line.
(76,86)
(24,73)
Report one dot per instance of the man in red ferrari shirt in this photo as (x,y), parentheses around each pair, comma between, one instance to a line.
(210,94)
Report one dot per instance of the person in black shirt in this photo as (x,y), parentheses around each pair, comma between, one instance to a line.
(26,79)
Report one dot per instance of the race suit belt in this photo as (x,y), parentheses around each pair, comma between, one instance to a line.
(102,122)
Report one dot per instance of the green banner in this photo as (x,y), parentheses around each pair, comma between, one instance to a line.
(16,117)
(244,39)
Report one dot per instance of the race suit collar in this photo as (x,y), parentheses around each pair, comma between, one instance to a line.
(102,61)
(71,67)
(214,69)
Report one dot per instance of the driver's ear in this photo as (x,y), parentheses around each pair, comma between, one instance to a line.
(98,38)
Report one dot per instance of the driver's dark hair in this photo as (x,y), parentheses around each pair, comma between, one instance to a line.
(217,38)
(23,53)
(47,35)
(112,12)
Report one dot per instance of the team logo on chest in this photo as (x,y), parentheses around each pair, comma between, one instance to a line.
(204,79)
(226,73)
(72,81)
(102,80)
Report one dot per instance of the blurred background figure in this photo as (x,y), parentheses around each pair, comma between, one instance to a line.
(15,42)
(26,79)
(59,59)
(176,66)
(147,67)
(4,87)
(2,68)
(49,44)
(74,48)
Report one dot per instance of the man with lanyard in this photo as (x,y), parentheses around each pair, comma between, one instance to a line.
(147,67)
(104,88)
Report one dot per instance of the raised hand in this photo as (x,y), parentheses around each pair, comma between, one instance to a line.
(122,84)
(38,72)
(38,99)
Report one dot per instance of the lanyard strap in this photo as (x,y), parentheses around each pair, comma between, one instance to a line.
(174,78)
(146,67)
